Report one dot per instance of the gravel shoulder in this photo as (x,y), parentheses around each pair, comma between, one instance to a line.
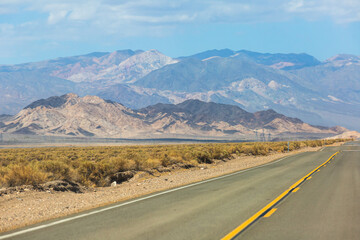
(26,206)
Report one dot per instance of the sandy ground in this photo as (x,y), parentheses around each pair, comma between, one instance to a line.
(26,207)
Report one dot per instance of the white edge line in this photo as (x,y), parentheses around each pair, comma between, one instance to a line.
(134,201)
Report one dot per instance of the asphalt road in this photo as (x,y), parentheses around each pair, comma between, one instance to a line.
(327,206)
(212,209)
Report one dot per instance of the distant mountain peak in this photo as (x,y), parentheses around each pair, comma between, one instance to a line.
(285,61)
(70,95)
(212,53)
(60,101)
(154,51)
(51,102)
(341,60)
(341,57)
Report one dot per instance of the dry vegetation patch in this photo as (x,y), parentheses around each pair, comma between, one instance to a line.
(100,166)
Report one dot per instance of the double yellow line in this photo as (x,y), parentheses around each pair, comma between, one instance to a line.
(268,207)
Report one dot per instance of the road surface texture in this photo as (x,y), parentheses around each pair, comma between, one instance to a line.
(325,207)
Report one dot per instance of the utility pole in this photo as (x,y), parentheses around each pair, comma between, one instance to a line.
(288,146)
(263,135)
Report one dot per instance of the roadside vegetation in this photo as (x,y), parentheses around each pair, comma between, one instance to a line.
(94,166)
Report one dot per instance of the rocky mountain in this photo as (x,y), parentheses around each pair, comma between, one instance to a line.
(237,81)
(274,60)
(297,85)
(88,74)
(133,68)
(116,67)
(131,96)
(71,115)
(18,89)
(341,60)
(339,76)
(4,118)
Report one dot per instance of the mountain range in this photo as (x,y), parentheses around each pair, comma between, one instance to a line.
(92,116)
(297,85)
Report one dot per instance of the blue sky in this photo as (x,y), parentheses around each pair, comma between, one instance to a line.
(33,30)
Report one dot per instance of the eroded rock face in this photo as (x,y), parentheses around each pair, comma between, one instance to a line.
(62,186)
(56,185)
(120,177)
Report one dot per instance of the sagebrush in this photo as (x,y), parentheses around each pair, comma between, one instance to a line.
(91,166)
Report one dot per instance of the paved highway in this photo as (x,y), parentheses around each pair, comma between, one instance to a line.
(212,209)
(327,206)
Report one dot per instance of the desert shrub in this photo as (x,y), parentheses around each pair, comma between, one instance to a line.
(217,152)
(22,175)
(120,164)
(138,162)
(295,145)
(247,150)
(165,160)
(259,149)
(94,174)
(93,166)
(203,157)
(55,169)
(152,163)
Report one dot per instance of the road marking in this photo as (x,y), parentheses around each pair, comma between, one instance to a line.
(133,201)
(309,178)
(318,170)
(296,189)
(269,213)
(260,213)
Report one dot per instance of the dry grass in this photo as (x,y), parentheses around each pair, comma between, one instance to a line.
(93,166)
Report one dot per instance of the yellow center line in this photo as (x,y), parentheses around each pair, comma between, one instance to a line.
(269,213)
(296,189)
(253,218)
(309,178)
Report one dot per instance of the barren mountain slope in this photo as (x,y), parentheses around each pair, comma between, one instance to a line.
(74,116)
(71,115)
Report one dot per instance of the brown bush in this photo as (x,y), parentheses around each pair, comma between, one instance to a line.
(93,166)
(22,175)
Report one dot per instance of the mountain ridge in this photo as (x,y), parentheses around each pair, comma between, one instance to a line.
(297,85)
(89,116)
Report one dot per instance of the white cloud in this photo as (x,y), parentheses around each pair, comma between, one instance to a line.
(56,16)
(340,11)
(58,20)
(6,28)
(295,5)
(180,11)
